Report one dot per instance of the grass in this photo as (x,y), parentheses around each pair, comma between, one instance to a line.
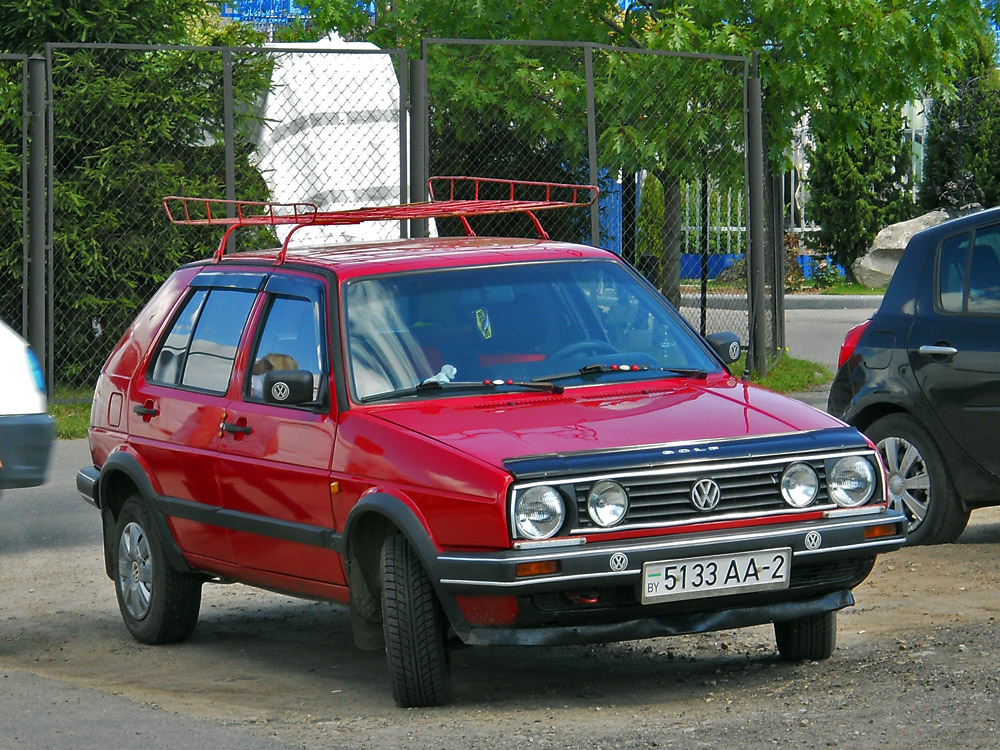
(789,375)
(71,408)
(845,287)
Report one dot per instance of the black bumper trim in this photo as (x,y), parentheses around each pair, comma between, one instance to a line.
(590,564)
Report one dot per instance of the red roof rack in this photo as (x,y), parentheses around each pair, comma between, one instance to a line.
(460,197)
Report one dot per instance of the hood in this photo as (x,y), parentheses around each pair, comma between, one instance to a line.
(600,417)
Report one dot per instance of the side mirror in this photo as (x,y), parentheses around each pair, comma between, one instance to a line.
(726,345)
(289,387)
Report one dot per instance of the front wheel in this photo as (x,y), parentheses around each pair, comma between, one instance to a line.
(919,483)
(809,638)
(414,629)
(158,603)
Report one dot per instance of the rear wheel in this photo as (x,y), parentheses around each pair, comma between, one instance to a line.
(919,483)
(414,628)
(157,603)
(809,638)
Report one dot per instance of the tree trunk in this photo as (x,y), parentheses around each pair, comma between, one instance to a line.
(670,259)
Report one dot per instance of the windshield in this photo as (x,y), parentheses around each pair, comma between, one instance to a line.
(524,323)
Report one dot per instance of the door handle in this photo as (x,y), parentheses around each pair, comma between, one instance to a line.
(929,350)
(146,411)
(242,429)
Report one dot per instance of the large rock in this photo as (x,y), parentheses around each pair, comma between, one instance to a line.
(875,268)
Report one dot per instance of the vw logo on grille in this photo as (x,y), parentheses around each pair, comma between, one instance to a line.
(279,391)
(618,562)
(813,540)
(705,495)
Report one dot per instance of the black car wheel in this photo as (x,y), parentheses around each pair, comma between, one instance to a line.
(158,603)
(414,628)
(809,638)
(919,483)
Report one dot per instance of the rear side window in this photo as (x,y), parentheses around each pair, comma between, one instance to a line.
(200,348)
(969,272)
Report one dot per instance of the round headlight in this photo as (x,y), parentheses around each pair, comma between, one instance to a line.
(851,481)
(799,485)
(539,512)
(607,503)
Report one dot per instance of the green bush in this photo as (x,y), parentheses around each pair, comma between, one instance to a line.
(857,181)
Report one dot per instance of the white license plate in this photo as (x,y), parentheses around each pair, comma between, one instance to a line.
(696,577)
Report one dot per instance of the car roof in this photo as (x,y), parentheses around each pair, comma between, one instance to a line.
(389,256)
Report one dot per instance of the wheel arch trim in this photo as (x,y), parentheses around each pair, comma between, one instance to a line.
(402,517)
(124,464)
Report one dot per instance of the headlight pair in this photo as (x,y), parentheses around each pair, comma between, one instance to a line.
(539,512)
(850,482)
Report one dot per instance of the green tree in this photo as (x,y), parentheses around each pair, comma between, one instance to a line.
(812,52)
(962,151)
(857,187)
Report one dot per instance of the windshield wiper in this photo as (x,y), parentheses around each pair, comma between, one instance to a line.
(594,370)
(459,385)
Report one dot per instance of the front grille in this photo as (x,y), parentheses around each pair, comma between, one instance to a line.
(657,499)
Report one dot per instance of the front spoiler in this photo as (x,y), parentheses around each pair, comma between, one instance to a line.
(660,626)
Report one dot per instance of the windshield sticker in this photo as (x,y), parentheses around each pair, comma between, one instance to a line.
(483,324)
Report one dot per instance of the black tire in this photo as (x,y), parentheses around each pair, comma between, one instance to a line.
(158,603)
(809,638)
(414,628)
(919,482)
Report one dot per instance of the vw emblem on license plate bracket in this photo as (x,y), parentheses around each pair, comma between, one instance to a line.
(813,540)
(618,562)
(705,495)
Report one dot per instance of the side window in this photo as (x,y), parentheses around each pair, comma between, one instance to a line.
(200,348)
(951,272)
(984,272)
(290,339)
(969,272)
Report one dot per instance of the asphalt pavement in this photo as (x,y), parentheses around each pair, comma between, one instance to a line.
(815,326)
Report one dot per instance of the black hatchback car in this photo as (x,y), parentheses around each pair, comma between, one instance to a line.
(922,377)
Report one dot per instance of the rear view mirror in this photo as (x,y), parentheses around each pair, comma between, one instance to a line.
(288,387)
(726,345)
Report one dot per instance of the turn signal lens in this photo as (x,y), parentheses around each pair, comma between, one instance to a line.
(543,568)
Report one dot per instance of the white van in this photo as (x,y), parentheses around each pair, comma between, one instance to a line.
(26,429)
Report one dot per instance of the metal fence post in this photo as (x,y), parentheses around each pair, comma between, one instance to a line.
(419,157)
(229,137)
(37,209)
(757,358)
(595,215)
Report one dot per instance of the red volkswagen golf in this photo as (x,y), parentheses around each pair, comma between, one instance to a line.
(465,440)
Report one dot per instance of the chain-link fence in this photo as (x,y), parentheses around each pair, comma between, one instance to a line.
(130,125)
(13,200)
(662,134)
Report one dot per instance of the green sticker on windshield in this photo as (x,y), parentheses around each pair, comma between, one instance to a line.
(483,324)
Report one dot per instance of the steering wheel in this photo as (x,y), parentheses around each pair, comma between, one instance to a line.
(582,347)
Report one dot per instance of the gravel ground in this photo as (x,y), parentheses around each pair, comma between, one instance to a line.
(917,665)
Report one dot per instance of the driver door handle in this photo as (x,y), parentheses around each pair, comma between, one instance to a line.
(929,350)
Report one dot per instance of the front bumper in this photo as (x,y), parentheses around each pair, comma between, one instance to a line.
(595,594)
(25,448)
